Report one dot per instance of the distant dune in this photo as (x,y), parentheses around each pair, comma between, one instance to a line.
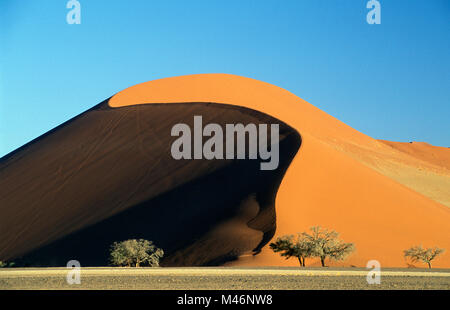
(107,175)
(435,155)
(422,167)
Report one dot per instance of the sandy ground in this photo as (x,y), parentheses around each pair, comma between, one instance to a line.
(223,278)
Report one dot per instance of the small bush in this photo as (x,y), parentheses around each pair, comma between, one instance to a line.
(6,265)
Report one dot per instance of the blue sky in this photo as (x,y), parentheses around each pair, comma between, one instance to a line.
(390,81)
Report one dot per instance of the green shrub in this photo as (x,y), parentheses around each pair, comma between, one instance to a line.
(6,265)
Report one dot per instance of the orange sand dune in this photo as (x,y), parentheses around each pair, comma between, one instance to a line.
(340,178)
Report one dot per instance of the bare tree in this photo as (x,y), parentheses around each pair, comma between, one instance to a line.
(417,253)
(135,252)
(292,248)
(325,244)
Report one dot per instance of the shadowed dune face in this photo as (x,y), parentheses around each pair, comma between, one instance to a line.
(108,175)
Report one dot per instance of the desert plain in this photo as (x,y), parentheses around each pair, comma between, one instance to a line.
(224,278)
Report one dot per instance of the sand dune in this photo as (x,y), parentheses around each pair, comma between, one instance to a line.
(381,196)
(332,180)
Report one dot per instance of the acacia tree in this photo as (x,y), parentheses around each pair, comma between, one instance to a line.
(135,252)
(292,248)
(417,253)
(325,244)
